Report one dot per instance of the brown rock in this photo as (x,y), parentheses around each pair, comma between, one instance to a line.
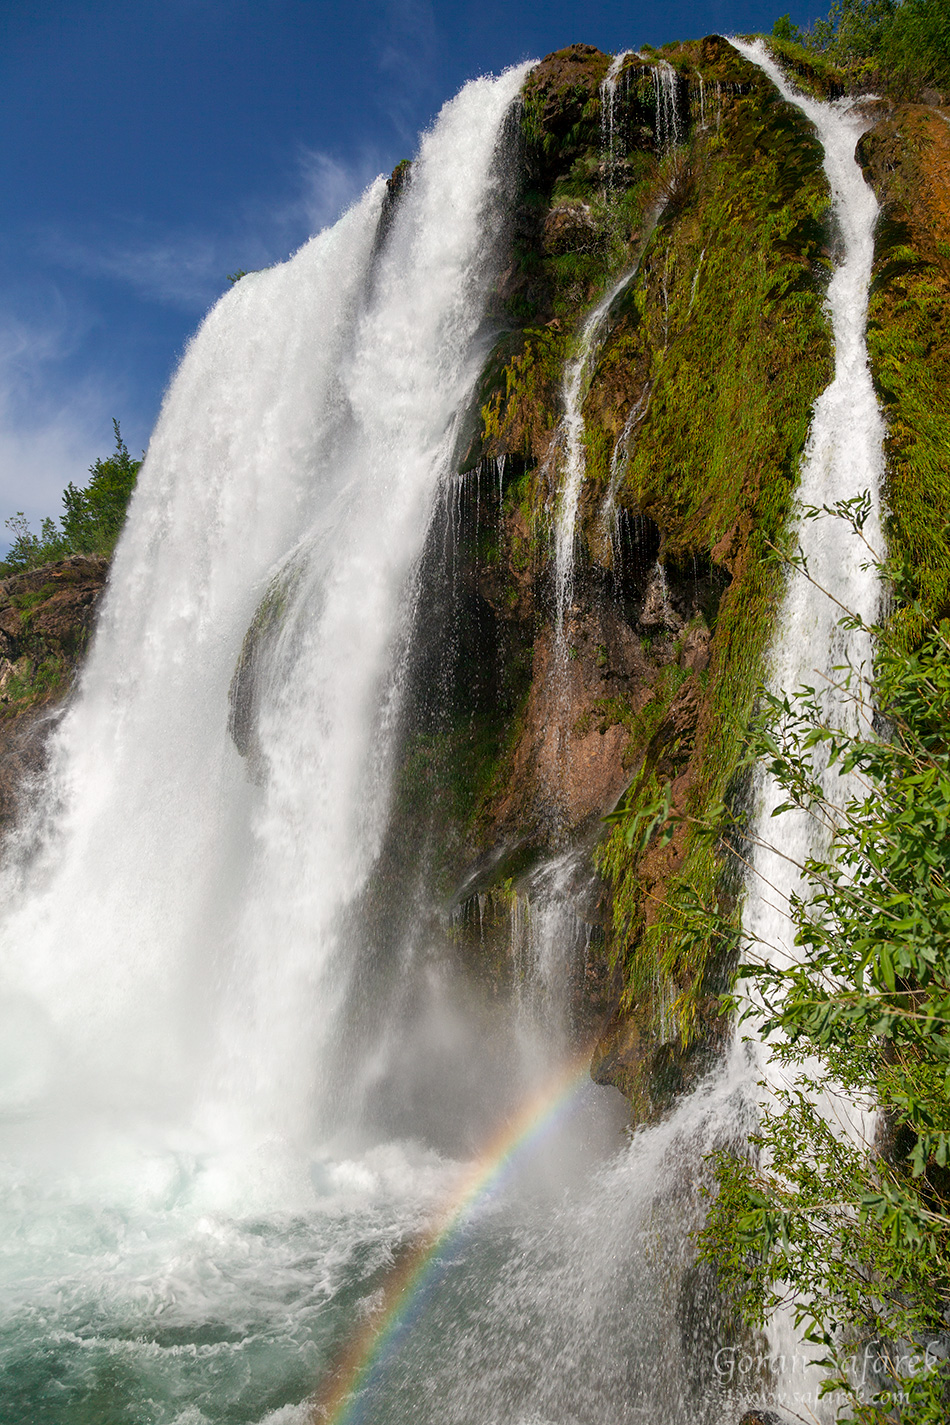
(730,547)
(562,84)
(46,617)
(657,611)
(23,742)
(695,655)
(906,157)
(49,610)
(570,227)
(569,763)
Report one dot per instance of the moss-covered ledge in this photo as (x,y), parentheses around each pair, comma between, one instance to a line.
(906,158)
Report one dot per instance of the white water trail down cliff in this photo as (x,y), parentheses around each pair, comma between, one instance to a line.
(569,442)
(666,98)
(608,114)
(844,457)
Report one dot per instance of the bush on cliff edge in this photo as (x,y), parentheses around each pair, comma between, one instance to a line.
(93,518)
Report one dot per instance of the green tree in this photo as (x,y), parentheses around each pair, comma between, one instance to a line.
(783,29)
(904,43)
(93,518)
(95,514)
(856,1236)
(27,550)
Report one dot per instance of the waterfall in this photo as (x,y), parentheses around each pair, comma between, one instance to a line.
(569,441)
(666,99)
(843,458)
(619,461)
(608,113)
(547,941)
(175,955)
(569,437)
(297,459)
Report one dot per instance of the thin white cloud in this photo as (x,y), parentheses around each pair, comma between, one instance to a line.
(328,188)
(46,439)
(188,270)
(37,464)
(181,270)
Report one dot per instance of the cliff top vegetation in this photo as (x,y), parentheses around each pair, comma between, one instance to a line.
(92,520)
(902,46)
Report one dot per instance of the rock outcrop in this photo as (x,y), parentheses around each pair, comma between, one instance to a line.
(696,404)
(46,618)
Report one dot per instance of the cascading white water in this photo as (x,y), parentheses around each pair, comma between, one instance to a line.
(544,935)
(844,458)
(114,900)
(569,441)
(608,112)
(313,414)
(171,958)
(569,438)
(666,98)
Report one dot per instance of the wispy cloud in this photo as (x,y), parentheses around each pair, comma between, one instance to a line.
(49,434)
(187,270)
(407,52)
(328,187)
(180,270)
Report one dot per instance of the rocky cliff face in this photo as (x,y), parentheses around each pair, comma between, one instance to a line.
(906,159)
(46,617)
(697,181)
(694,177)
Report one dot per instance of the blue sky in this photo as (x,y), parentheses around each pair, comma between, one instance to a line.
(149,147)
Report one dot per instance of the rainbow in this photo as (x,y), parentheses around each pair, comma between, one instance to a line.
(338,1402)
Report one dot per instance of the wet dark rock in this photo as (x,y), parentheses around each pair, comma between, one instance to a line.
(50,610)
(46,619)
(254,660)
(23,747)
(399,178)
(570,227)
(396,184)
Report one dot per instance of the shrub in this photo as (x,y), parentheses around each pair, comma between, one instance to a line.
(93,518)
(905,42)
(852,1236)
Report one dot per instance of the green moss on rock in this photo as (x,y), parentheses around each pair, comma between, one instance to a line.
(696,416)
(907,159)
